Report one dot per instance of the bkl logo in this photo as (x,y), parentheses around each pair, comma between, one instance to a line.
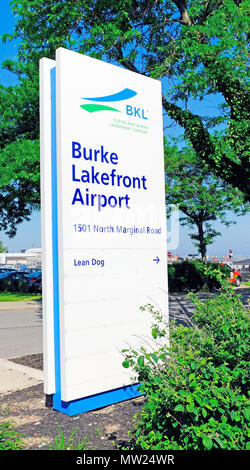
(122,95)
(137,112)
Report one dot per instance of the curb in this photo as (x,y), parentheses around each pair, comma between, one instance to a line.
(22,305)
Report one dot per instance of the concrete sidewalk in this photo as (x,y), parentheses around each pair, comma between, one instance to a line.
(20,305)
(15,377)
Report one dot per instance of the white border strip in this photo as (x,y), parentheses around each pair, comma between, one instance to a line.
(46,223)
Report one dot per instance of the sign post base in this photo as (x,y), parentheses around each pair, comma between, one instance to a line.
(94,402)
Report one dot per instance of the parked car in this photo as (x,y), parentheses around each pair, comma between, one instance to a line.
(13,282)
(235,275)
(7,270)
(37,286)
(32,278)
(4,275)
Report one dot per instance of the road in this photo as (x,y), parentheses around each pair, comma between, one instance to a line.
(21,330)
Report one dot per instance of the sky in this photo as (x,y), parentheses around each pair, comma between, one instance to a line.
(236,237)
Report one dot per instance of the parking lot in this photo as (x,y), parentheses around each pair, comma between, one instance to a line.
(12,280)
(181,308)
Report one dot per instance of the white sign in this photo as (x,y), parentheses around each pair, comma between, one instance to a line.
(111,230)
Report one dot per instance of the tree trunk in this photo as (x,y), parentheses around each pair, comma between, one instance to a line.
(203,251)
(202,243)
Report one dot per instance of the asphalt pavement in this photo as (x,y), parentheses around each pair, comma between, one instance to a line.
(20,328)
(20,335)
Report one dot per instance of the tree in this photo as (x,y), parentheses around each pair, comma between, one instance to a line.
(2,248)
(202,198)
(198,48)
(19,183)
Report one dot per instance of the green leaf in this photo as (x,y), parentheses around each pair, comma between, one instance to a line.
(220,442)
(154,333)
(207,442)
(246,413)
(179,408)
(140,361)
(204,412)
(125,364)
(191,377)
(154,357)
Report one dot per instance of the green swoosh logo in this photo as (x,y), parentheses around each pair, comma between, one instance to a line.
(91,108)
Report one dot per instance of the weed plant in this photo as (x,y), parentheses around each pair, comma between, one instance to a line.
(60,443)
(9,438)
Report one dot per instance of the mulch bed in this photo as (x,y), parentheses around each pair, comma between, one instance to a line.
(33,360)
(105,429)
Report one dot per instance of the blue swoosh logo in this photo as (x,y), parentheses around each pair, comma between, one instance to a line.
(120,96)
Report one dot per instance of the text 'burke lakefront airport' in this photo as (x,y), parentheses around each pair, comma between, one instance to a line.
(83,195)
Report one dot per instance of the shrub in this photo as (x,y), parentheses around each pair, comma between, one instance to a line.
(9,438)
(196,389)
(194,275)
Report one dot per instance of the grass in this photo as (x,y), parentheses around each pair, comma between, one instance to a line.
(17,297)
(247,283)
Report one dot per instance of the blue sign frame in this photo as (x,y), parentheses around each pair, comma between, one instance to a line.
(99,400)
